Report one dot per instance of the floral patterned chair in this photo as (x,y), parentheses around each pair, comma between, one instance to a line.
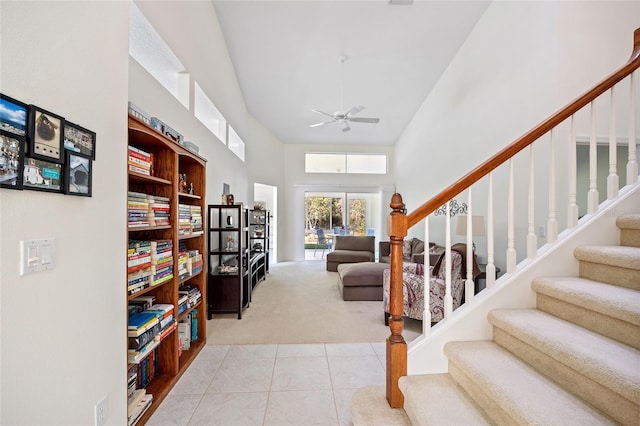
(414,293)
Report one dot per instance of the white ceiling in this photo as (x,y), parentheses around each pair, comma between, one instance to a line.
(285,54)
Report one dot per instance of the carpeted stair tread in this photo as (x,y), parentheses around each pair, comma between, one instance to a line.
(436,399)
(369,406)
(610,363)
(523,394)
(620,256)
(628,221)
(617,302)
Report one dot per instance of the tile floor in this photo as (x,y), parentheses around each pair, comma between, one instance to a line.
(310,384)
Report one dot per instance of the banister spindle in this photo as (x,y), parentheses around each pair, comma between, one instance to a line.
(532,241)
(469,287)
(592,196)
(448,300)
(552,223)
(511,250)
(572,209)
(612,179)
(632,163)
(426,321)
(490,270)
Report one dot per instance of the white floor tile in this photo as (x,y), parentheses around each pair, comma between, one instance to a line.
(301,350)
(356,372)
(380,348)
(343,399)
(252,351)
(349,349)
(175,410)
(301,373)
(301,408)
(231,409)
(197,378)
(243,375)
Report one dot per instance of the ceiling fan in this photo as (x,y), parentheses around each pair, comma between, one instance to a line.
(344,117)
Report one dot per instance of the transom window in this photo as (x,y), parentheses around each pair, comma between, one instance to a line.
(345,163)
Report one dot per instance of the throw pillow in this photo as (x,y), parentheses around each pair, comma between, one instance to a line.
(406,249)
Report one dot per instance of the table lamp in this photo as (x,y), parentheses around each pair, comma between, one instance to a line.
(477,224)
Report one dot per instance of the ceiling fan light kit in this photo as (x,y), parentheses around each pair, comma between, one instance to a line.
(344,117)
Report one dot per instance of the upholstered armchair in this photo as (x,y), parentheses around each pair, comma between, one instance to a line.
(413,289)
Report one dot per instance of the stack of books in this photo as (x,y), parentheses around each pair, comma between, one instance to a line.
(137,209)
(140,161)
(195,262)
(192,292)
(183,303)
(137,404)
(142,330)
(138,265)
(159,211)
(184,219)
(164,312)
(184,333)
(161,261)
(183,259)
(196,220)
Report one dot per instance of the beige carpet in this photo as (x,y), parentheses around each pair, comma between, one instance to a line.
(300,302)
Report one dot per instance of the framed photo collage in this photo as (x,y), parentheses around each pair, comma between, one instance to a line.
(40,150)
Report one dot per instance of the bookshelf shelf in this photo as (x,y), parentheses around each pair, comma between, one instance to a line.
(172,228)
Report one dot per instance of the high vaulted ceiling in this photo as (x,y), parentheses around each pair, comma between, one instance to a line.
(286,56)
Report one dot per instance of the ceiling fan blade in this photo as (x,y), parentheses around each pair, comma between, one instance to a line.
(354,110)
(321,124)
(364,119)
(322,112)
(345,126)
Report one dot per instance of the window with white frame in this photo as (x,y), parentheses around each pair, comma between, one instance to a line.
(205,111)
(148,48)
(345,163)
(236,145)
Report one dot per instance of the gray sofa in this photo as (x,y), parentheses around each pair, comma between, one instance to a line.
(351,249)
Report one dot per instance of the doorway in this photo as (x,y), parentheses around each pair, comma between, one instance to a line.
(269,195)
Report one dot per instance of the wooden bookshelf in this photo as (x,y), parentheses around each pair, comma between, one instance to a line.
(170,160)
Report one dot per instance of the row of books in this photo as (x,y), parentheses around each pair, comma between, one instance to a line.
(147,210)
(140,161)
(188,297)
(149,263)
(146,329)
(189,219)
(137,404)
(188,331)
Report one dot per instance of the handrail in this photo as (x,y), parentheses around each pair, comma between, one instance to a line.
(399,221)
(528,138)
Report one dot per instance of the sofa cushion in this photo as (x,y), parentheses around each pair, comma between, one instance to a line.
(350,256)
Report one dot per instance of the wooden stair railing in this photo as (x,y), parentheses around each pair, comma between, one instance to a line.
(399,222)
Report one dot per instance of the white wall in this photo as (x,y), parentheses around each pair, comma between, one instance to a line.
(297,182)
(62,337)
(192,31)
(518,66)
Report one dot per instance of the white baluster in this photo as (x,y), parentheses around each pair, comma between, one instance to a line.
(511,250)
(448,300)
(632,164)
(572,210)
(426,322)
(532,241)
(490,270)
(612,179)
(592,196)
(469,287)
(552,223)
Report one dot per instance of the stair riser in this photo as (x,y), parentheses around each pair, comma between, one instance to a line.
(630,237)
(612,404)
(614,275)
(482,398)
(605,325)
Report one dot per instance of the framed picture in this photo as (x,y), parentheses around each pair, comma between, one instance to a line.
(80,140)
(42,175)
(13,116)
(46,131)
(77,179)
(11,160)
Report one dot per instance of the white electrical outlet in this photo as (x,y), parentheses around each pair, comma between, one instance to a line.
(101,412)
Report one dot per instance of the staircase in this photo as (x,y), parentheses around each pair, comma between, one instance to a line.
(575,359)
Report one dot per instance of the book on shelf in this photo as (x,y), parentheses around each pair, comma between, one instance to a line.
(184,331)
(139,322)
(134,357)
(143,301)
(136,342)
(169,329)
(139,410)
(134,399)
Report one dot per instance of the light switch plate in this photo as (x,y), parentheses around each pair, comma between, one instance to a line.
(37,255)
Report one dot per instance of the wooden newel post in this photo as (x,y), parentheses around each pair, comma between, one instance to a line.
(396,346)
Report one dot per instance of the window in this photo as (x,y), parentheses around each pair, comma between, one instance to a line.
(236,145)
(346,163)
(154,55)
(208,114)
